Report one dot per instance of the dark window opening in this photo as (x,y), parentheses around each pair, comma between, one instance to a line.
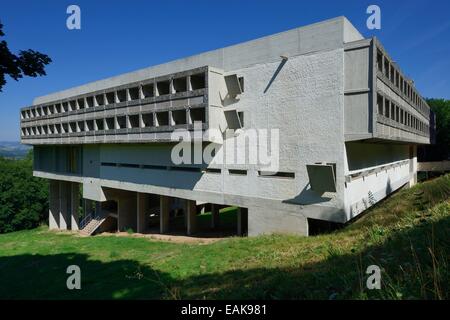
(279,174)
(197,114)
(147,119)
(134,121)
(162,118)
(147,90)
(237,172)
(100,98)
(109,124)
(179,117)
(198,81)
(121,122)
(180,84)
(90,102)
(99,124)
(163,87)
(90,125)
(134,93)
(380,104)
(379,61)
(122,95)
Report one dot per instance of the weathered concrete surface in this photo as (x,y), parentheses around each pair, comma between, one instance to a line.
(263,221)
(321,101)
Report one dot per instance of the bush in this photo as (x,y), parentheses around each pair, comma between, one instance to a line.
(23,198)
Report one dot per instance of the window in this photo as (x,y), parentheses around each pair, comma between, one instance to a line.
(134,121)
(380,104)
(121,122)
(80,125)
(379,61)
(90,102)
(163,87)
(72,127)
(121,95)
(109,124)
(134,93)
(198,81)
(241,83)
(89,125)
(279,174)
(110,98)
(392,78)
(180,84)
(386,67)
(80,104)
(99,124)
(197,115)
(147,119)
(179,117)
(387,108)
(162,118)
(147,90)
(237,172)
(241,118)
(100,99)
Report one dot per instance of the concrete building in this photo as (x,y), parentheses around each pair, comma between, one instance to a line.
(348,119)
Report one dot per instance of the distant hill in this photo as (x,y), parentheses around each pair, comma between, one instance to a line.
(13,149)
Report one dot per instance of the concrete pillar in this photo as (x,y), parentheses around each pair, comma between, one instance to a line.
(53,210)
(127,211)
(191,217)
(64,219)
(74,206)
(413,165)
(242,221)
(142,209)
(214,216)
(164,214)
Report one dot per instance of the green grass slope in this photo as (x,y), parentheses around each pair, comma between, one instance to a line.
(407,236)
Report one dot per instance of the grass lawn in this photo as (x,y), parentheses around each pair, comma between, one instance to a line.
(407,236)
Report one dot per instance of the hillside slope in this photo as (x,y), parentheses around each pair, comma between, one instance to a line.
(407,236)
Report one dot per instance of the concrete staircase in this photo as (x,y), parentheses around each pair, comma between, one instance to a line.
(92,224)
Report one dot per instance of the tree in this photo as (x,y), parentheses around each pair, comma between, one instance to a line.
(27,63)
(23,198)
(441,149)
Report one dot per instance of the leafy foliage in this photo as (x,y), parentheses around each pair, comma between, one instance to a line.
(23,198)
(28,62)
(440,150)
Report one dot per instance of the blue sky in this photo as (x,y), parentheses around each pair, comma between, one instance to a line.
(122,36)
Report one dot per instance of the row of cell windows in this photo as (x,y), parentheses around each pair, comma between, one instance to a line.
(395,112)
(159,88)
(386,67)
(234,172)
(144,120)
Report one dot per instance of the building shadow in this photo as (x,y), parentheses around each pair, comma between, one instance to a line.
(338,276)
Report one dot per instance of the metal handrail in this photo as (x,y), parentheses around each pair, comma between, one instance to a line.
(86,220)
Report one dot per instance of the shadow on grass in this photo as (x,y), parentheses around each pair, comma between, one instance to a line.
(409,271)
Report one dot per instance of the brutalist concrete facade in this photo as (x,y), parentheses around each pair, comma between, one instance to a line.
(348,119)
